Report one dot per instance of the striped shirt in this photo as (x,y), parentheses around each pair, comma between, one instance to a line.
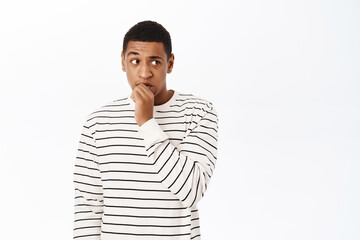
(144,182)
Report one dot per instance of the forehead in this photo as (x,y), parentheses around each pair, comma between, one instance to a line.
(146,48)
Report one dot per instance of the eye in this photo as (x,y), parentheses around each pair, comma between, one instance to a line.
(155,62)
(134,61)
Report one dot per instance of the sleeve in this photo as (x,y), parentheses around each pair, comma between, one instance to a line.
(88,189)
(185,170)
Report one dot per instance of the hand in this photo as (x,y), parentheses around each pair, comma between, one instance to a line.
(144,103)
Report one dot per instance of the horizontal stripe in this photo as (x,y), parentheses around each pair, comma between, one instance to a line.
(147,234)
(195,236)
(135,189)
(136,207)
(142,225)
(129,180)
(88,235)
(86,227)
(144,216)
(142,199)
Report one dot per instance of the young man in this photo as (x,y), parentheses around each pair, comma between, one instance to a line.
(144,161)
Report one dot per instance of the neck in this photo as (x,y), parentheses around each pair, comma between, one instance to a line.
(164,98)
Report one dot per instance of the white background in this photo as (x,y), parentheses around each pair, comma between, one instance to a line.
(283,75)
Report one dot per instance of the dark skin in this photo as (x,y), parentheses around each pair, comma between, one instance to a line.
(146,65)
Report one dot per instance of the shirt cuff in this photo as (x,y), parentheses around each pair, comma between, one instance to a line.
(151,132)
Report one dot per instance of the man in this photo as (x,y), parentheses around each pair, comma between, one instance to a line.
(145,161)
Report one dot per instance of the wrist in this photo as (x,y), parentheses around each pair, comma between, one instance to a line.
(144,121)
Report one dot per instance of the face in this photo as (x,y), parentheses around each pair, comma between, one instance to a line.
(146,62)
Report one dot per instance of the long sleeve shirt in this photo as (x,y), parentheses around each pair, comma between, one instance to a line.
(144,182)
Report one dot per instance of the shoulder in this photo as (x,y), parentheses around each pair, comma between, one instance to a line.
(198,103)
(106,110)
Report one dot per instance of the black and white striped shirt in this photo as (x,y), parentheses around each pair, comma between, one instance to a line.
(144,182)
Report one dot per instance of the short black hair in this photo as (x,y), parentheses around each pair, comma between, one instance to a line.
(148,31)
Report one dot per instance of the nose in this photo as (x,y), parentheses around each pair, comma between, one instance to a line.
(145,71)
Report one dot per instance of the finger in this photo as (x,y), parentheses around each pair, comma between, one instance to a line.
(133,96)
(146,91)
(139,92)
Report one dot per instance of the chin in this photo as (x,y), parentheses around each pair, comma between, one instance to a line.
(153,91)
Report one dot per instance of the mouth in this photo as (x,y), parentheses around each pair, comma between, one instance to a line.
(148,85)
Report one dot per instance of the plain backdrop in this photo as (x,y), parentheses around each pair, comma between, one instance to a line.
(283,75)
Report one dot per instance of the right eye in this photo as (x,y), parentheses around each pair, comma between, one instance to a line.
(134,61)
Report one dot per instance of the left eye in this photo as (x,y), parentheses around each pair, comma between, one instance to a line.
(155,62)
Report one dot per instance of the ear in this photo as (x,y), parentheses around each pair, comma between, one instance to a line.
(171,63)
(123,61)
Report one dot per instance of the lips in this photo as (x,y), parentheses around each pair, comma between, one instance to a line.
(147,84)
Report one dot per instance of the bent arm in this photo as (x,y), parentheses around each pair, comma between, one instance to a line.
(187,169)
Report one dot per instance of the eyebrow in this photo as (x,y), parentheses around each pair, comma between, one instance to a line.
(151,57)
(134,53)
(155,57)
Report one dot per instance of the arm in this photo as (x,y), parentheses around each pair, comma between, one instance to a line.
(187,169)
(88,189)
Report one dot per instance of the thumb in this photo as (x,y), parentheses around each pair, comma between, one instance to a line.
(132,96)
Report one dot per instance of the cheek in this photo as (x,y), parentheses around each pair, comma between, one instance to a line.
(162,73)
(130,73)
(130,79)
